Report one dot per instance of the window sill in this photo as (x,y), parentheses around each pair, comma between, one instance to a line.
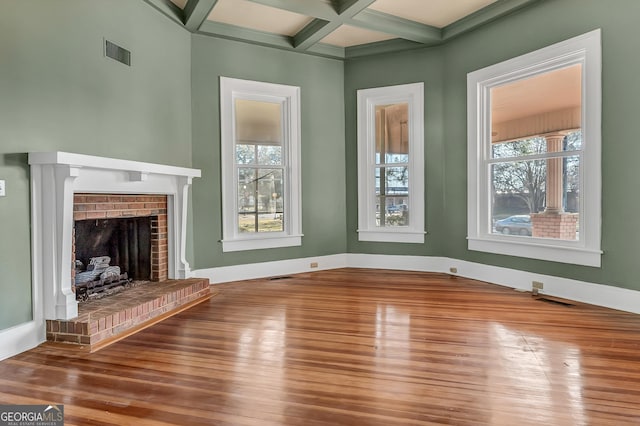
(538,249)
(261,242)
(392,236)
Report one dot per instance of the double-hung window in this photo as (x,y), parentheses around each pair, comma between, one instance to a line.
(391,163)
(534,154)
(260,165)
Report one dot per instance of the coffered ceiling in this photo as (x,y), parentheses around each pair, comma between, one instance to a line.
(337,28)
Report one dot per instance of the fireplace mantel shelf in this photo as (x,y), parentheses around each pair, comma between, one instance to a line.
(55,178)
(93,162)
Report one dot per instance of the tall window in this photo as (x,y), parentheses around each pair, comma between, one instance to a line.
(390,164)
(534,154)
(260,164)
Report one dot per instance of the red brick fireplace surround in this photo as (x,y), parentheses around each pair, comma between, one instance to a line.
(109,206)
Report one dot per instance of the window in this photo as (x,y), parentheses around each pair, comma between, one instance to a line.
(390,164)
(260,165)
(534,154)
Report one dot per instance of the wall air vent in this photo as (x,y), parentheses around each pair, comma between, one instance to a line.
(116,52)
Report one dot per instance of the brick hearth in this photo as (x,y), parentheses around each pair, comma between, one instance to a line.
(104,321)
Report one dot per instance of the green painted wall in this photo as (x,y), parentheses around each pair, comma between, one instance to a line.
(537,26)
(323,166)
(58,93)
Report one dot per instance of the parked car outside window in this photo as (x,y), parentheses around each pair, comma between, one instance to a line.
(516,225)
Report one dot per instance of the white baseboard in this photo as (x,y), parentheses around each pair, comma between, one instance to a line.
(251,271)
(21,338)
(580,291)
(29,335)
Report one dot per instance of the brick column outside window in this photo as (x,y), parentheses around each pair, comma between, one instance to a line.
(554,222)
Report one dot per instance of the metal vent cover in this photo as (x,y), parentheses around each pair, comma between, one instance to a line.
(120,54)
(555,301)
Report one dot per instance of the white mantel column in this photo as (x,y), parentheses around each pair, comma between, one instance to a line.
(53,222)
(181,208)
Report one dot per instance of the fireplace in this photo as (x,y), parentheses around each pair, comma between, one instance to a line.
(102,188)
(117,239)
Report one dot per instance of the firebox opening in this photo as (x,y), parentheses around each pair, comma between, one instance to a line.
(122,242)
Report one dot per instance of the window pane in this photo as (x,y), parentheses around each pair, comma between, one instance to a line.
(392,196)
(245,154)
(270,155)
(392,134)
(518,189)
(395,211)
(537,198)
(573,141)
(524,188)
(542,104)
(246,190)
(258,122)
(392,180)
(261,200)
(519,148)
(536,145)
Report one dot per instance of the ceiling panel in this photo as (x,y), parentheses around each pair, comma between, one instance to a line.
(256,16)
(339,25)
(346,36)
(437,13)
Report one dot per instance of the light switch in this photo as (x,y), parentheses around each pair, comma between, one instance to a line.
(2,190)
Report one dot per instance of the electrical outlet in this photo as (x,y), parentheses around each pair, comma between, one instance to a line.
(3,192)
(453,270)
(536,286)
(313,265)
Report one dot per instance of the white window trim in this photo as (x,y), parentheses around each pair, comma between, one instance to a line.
(368,99)
(584,49)
(289,96)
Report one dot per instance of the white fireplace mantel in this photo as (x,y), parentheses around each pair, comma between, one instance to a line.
(55,177)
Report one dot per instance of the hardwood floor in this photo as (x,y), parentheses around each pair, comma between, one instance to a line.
(351,347)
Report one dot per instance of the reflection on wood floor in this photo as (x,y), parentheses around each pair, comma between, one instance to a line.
(351,347)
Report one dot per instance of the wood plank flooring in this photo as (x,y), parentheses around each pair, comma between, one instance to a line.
(351,347)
